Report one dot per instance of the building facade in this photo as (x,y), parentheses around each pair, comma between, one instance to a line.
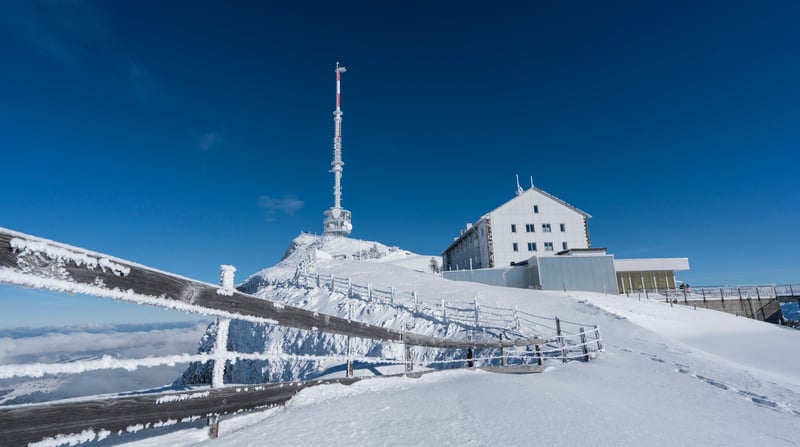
(534,223)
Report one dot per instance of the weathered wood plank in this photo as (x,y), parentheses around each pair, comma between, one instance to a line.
(41,263)
(20,425)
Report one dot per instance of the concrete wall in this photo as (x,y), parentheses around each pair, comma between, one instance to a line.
(586,273)
(765,309)
(506,276)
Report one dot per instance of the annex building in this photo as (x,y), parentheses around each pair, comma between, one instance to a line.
(536,240)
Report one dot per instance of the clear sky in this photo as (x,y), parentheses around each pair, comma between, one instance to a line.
(186,134)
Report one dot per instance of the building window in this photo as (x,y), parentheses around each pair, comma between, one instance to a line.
(530,228)
(563,228)
(531,246)
(548,246)
(516,247)
(513,228)
(546,228)
(535,209)
(564,246)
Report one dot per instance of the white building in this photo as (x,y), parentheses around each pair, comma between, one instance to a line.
(534,223)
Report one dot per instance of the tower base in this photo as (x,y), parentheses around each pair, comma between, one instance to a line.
(337,222)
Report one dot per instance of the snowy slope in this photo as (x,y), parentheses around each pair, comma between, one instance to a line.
(670,375)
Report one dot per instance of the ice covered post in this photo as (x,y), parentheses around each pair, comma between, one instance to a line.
(226,279)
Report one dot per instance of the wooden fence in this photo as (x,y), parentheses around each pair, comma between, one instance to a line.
(30,261)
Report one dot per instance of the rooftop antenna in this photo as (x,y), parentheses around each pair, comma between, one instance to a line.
(519,188)
(337,220)
(531,182)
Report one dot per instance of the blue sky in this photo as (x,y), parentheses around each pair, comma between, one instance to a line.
(187,134)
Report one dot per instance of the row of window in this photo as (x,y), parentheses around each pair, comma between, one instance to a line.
(548,246)
(531,228)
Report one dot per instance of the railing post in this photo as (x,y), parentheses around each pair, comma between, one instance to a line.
(597,338)
(409,358)
(470,362)
(349,288)
(444,311)
(516,319)
(561,341)
(722,296)
(226,281)
(539,356)
(392,296)
(317,279)
(477,314)
(333,283)
(583,345)
(213,426)
(369,292)
(503,357)
(416,303)
(704,295)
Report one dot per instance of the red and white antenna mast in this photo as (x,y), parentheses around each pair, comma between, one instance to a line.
(337,220)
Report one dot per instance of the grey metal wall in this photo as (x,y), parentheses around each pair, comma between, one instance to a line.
(587,273)
(504,276)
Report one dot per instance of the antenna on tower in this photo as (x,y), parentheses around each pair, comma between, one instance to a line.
(519,188)
(337,220)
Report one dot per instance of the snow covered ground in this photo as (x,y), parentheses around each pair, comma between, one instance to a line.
(669,376)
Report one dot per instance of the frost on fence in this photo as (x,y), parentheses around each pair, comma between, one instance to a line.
(43,259)
(226,273)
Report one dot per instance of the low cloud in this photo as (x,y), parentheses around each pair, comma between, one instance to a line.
(289,204)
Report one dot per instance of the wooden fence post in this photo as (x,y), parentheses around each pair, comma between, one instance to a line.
(409,358)
(539,354)
(561,341)
(213,426)
(503,357)
(470,362)
(583,344)
(597,338)
(226,281)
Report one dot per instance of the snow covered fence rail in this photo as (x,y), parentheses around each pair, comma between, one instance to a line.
(470,314)
(29,261)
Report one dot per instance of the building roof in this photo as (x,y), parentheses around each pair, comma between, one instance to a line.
(532,188)
(651,264)
(546,194)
